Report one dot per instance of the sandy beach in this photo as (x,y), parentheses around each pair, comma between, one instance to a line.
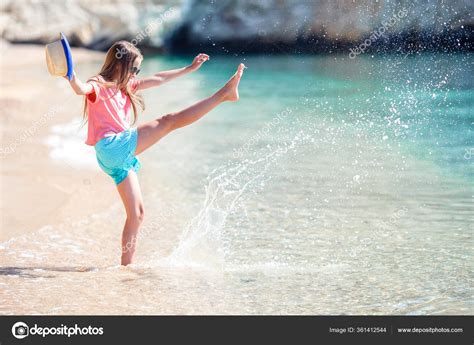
(34,190)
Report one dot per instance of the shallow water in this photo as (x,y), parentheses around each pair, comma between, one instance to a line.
(335,186)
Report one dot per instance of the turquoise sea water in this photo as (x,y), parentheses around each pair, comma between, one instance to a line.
(421,104)
(362,166)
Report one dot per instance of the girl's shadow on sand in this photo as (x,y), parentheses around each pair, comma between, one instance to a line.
(35,272)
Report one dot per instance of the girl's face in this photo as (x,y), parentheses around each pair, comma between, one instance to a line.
(135,69)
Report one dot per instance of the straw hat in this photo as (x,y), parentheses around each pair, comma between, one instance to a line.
(59,58)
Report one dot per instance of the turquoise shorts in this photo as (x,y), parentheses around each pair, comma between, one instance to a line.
(116,154)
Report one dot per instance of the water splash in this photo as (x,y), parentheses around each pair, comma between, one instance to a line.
(201,244)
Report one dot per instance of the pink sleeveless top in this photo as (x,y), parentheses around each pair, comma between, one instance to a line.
(109,111)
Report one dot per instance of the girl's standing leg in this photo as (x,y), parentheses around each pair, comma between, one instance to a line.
(149,133)
(131,195)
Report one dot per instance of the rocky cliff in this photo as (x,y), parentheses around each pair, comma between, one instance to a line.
(324,25)
(245,25)
(89,23)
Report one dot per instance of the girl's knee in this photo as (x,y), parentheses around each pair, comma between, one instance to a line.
(138,214)
(141,213)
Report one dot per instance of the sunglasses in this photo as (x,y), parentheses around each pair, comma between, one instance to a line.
(135,70)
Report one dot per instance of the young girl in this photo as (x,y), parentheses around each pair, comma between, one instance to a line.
(110,99)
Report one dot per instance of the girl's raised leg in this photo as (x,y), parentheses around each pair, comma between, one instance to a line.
(151,132)
(131,195)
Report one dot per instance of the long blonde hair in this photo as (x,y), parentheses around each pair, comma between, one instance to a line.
(116,73)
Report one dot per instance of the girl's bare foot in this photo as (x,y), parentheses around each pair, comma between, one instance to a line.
(231,89)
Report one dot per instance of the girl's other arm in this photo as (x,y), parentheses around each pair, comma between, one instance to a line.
(79,87)
(165,76)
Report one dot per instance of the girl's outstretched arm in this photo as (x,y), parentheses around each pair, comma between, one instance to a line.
(79,87)
(165,76)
